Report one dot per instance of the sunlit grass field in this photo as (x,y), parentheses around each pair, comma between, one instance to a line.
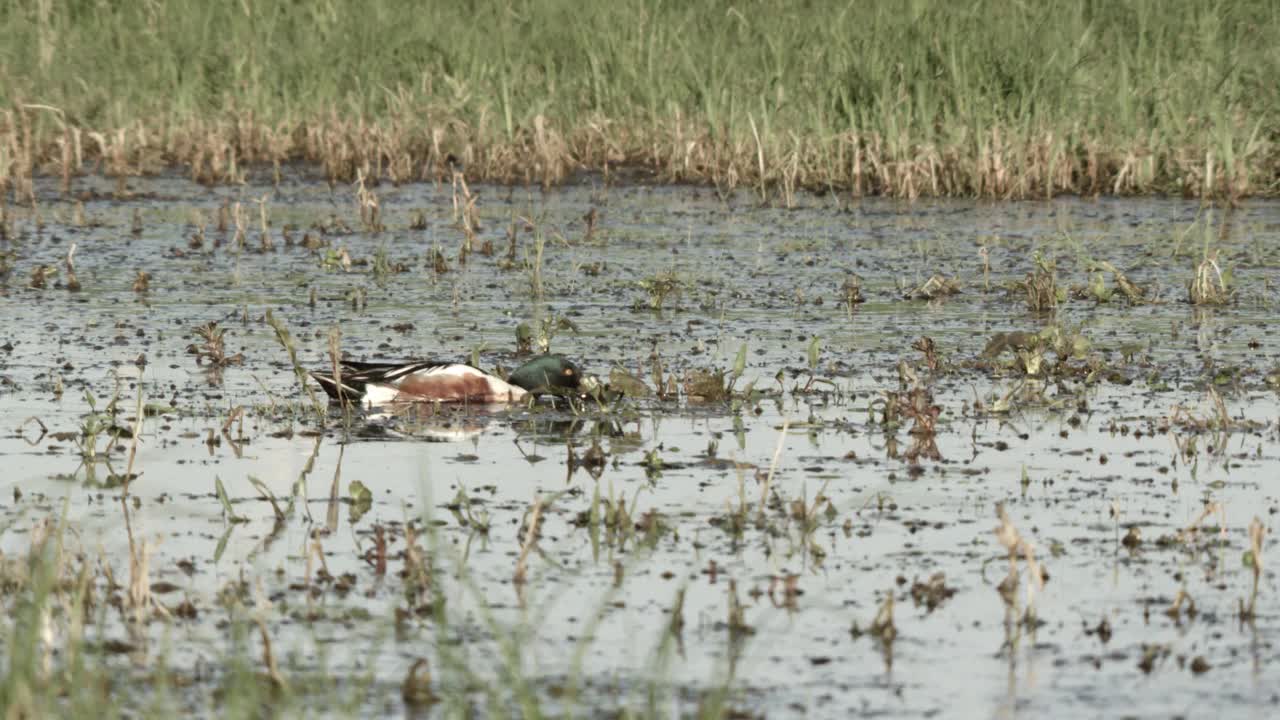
(984,98)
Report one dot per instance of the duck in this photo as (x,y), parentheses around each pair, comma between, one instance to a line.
(382,383)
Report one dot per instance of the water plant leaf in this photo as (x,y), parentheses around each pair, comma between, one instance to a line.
(266,494)
(154,409)
(361,500)
(815,349)
(222,543)
(359,493)
(228,512)
(739,363)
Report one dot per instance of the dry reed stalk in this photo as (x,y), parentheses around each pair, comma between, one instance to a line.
(268,657)
(331,514)
(1000,162)
(1007,535)
(530,539)
(737,616)
(1041,288)
(1257,532)
(238,214)
(1188,534)
(73,283)
(264,237)
(368,205)
(773,465)
(1209,286)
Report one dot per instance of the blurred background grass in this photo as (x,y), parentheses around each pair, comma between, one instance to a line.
(985,97)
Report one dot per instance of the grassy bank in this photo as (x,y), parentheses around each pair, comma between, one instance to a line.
(984,98)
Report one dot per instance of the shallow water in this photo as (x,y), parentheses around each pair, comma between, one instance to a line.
(1098,457)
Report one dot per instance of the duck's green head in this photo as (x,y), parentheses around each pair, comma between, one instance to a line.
(550,374)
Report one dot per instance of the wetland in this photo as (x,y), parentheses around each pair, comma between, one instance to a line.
(854,456)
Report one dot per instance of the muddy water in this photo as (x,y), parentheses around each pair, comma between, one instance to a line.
(1077,460)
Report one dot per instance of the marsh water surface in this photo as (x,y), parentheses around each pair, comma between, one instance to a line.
(1106,461)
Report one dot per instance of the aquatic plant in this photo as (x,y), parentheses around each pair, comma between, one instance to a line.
(1041,287)
(1253,560)
(658,288)
(1020,552)
(212,347)
(1210,284)
(937,286)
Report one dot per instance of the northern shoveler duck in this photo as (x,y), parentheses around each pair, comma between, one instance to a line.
(431,380)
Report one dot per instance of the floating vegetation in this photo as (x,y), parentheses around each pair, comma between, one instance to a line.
(937,286)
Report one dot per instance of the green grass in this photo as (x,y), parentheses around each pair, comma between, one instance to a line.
(983,97)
